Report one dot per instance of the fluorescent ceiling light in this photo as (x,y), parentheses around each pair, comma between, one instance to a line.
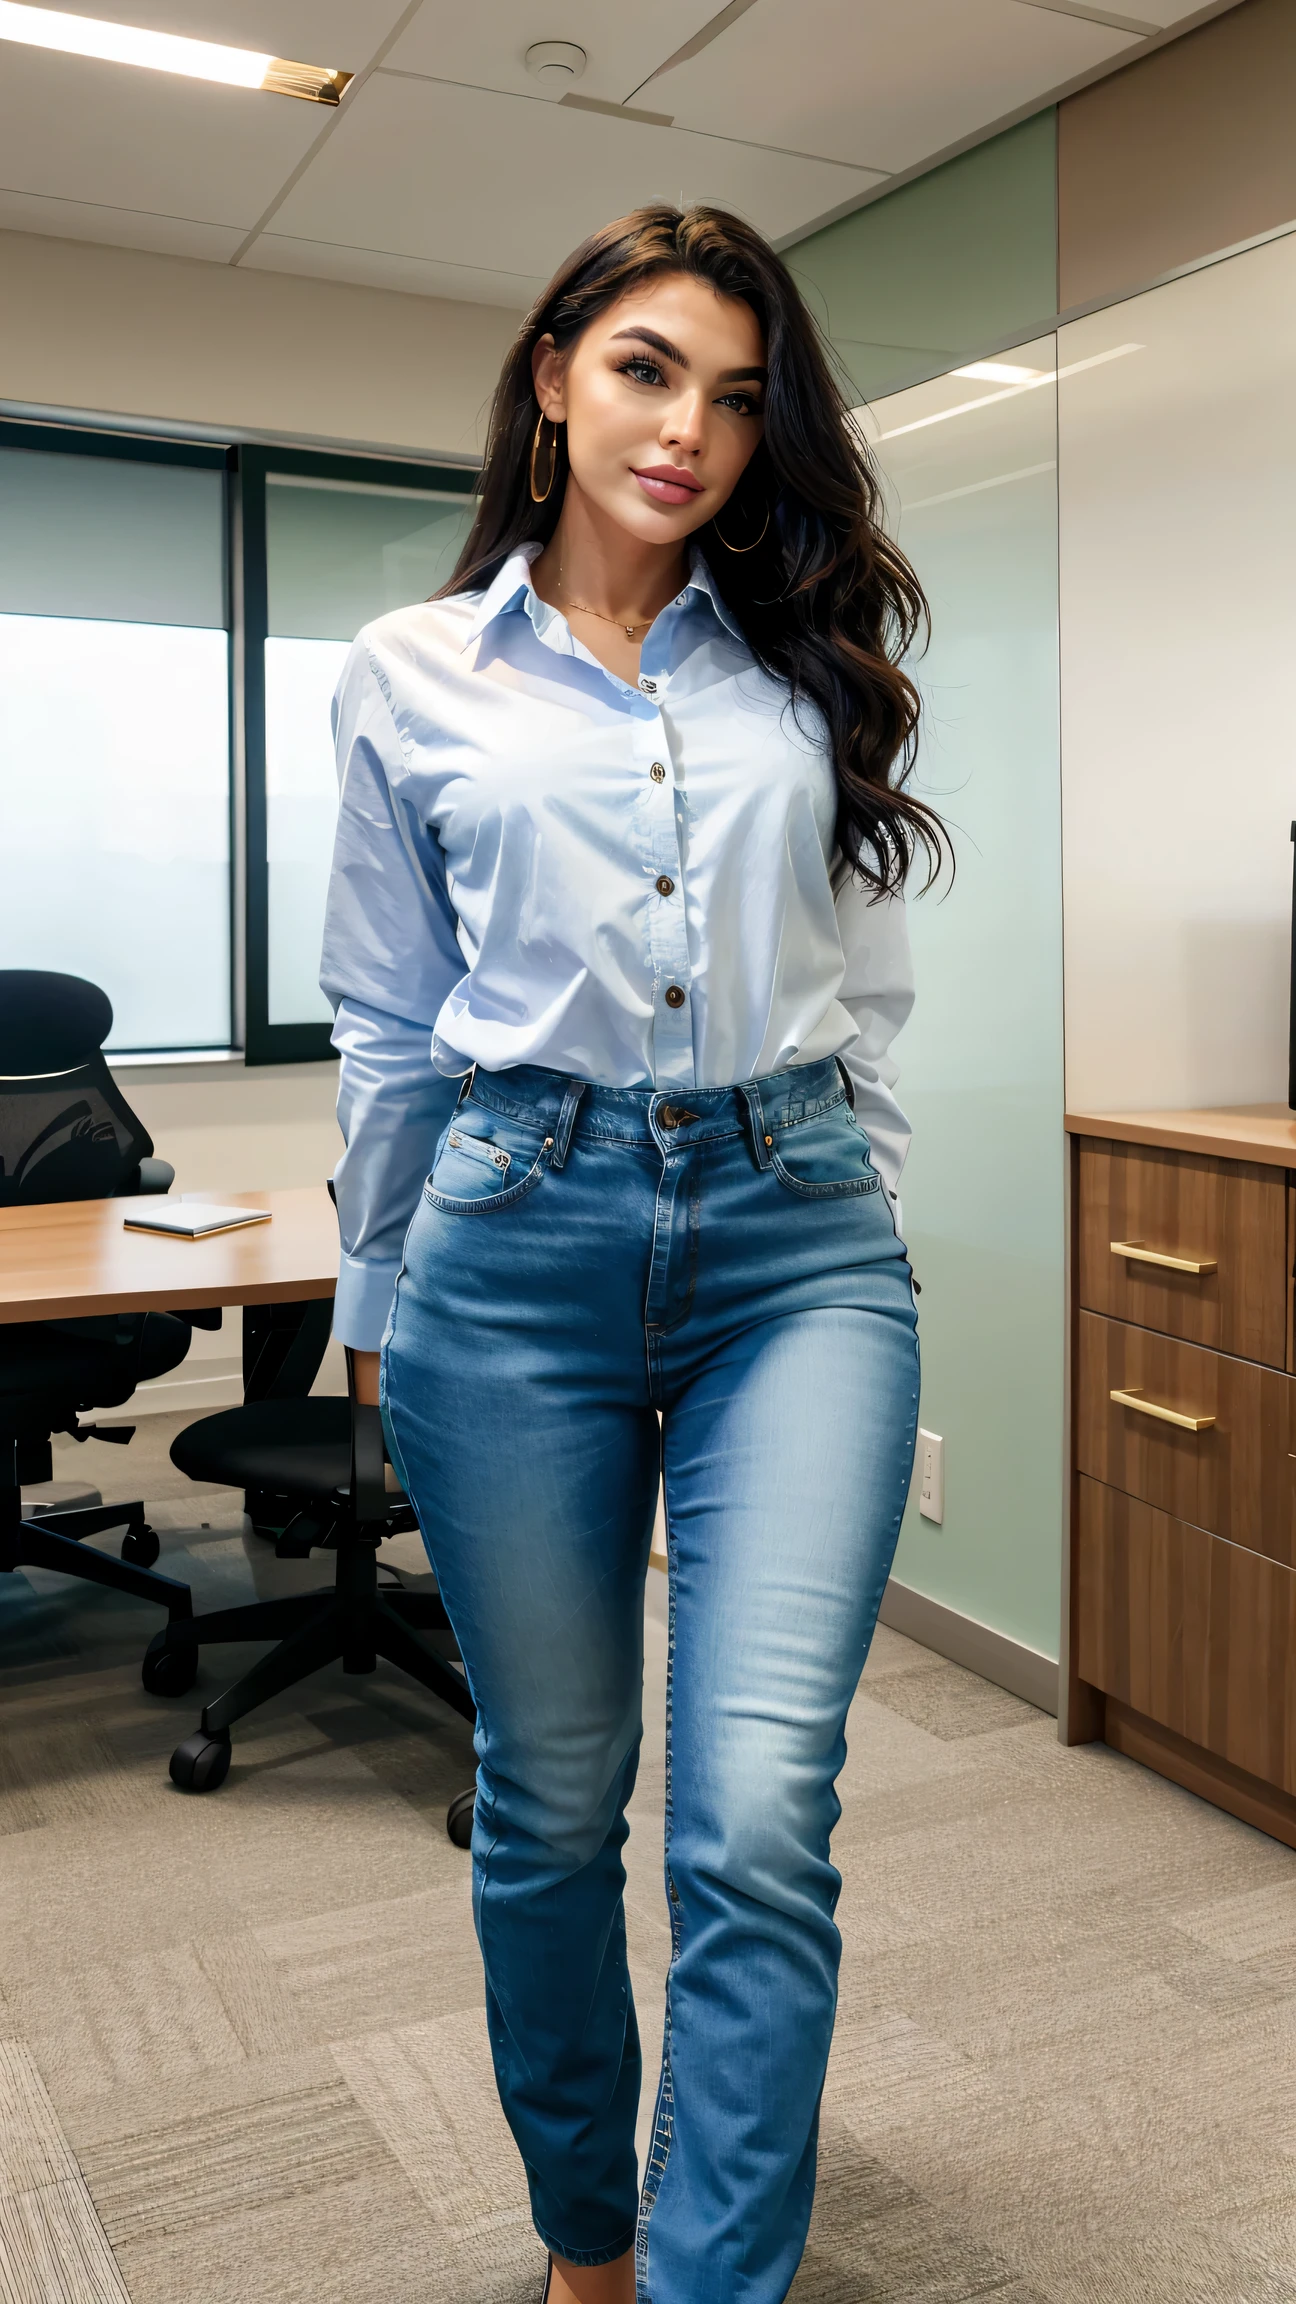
(169,52)
(1008,392)
(996,372)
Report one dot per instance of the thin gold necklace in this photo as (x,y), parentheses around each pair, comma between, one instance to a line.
(628,629)
(579,605)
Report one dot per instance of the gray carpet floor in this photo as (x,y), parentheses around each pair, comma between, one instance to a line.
(242,2053)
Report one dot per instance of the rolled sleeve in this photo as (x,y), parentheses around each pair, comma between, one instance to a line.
(391,958)
(877,990)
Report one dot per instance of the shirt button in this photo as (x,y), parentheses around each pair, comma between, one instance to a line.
(657,772)
(665,886)
(675,997)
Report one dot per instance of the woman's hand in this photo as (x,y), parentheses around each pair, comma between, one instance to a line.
(365,1365)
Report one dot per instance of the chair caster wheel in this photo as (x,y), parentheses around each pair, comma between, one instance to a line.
(459,1818)
(140,1546)
(201,1762)
(168,1671)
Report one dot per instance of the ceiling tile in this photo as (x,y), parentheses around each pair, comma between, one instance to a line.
(115,137)
(873,82)
(1160,13)
(485,47)
(402,172)
(374,268)
(844,91)
(117,227)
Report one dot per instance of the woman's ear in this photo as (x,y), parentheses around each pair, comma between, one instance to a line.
(548,374)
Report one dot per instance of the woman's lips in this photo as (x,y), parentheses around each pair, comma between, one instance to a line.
(664,488)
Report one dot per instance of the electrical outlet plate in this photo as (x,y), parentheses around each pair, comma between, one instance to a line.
(931,1476)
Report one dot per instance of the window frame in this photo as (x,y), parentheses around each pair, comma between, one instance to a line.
(53,438)
(264,1042)
(247,467)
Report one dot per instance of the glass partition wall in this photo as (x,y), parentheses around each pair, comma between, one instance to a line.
(971,468)
(1125,511)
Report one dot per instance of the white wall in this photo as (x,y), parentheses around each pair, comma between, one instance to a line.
(225,1128)
(1177,481)
(120,331)
(117,331)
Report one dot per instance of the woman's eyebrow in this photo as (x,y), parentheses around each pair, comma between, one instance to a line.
(658,343)
(671,351)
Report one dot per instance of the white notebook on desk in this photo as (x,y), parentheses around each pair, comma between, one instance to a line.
(191,1219)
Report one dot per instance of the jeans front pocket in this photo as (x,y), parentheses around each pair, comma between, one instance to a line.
(476,1148)
(826,1157)
(484,1162)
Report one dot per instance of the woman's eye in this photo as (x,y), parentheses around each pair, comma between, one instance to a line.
(643,371)
(741,401)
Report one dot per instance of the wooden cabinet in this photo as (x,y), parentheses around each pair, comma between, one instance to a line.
(1182,1586)
(1233,1474)
(1191,1632)
(1192,1247)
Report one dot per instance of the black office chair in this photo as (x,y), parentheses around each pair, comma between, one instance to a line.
(325,1460)
(67,1133)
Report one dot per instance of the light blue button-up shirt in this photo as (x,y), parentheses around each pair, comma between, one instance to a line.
(539,863)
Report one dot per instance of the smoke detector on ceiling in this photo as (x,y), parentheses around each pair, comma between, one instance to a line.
(556,64)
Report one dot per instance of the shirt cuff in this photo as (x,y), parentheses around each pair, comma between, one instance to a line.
(362,1306)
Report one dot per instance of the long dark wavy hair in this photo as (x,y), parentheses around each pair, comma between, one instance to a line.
(827,602)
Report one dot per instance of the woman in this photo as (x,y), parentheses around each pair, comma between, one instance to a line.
(616,942)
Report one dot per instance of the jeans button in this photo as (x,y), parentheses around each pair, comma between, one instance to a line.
(675,997)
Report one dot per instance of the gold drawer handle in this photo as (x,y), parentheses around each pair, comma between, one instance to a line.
(1132,1399)
(1138,1254)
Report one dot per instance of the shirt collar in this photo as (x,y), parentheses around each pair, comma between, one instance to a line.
(511,590)
(702,581)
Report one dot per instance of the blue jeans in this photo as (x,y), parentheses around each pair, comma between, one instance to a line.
(583,1258)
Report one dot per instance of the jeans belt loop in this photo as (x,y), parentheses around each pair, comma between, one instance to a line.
(750,1094)
(847,1083)
(466,1086)
(571,1105)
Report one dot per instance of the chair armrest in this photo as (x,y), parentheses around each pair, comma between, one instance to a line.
(155,1176)
(369,1498)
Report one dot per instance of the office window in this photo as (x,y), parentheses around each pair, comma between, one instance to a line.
(157,598)
(115,730)
(338,552)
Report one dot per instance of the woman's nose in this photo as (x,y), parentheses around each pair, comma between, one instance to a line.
(685,422)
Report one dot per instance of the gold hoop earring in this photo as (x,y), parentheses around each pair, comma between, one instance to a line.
(542,495)
(740,548)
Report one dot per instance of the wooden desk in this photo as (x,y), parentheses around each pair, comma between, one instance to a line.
(74,1258)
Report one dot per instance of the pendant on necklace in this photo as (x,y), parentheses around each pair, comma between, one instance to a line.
(630,631)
